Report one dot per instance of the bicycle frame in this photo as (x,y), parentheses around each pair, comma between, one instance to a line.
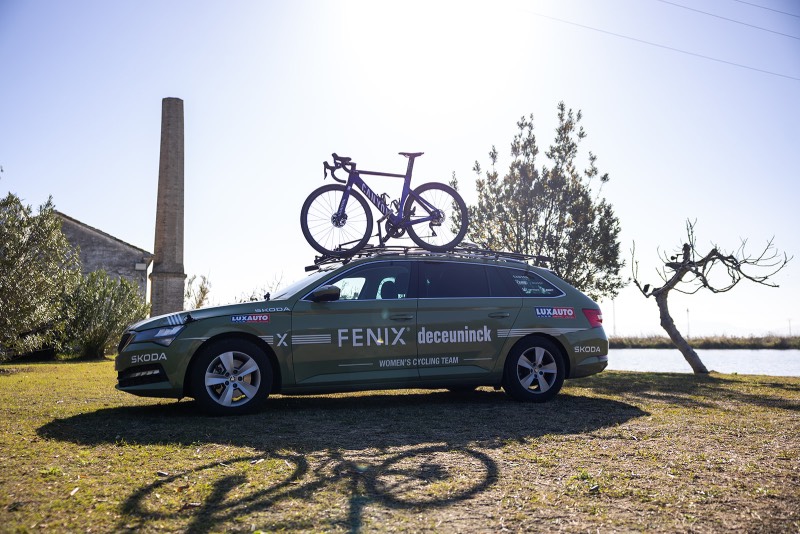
(396,218)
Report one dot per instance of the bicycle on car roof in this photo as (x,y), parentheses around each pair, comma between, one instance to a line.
(337,221)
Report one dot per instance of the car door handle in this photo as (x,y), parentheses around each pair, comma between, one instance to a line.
(402,317)
(499,315)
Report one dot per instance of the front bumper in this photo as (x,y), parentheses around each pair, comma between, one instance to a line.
(152,370)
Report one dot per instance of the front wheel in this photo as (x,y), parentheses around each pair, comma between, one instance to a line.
(534,371)
(327,231)
(446,215)
(231,377)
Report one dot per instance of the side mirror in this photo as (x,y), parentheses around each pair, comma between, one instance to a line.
(325,294)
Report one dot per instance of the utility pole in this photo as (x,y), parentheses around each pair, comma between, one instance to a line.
(688,328)
(614,318)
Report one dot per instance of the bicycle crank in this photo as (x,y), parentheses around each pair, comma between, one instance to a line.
(393,231)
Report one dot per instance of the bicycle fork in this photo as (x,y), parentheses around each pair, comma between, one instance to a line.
(339,217)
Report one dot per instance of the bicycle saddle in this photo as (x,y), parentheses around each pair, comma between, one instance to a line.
(411,154)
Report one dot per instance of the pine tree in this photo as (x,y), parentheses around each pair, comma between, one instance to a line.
(552,211)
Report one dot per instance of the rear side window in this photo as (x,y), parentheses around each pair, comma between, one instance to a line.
(516,283)
(452,280)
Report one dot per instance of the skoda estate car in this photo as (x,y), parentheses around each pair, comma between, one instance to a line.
(390,320)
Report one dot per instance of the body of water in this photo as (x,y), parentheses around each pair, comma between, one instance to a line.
(743,362)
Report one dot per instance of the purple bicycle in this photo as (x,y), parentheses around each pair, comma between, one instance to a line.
(337,221)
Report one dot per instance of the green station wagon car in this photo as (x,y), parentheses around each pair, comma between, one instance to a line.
(388,320)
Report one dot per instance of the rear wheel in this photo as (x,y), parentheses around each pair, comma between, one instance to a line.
(231,377)
(447,214)
(330,233)
(534,371)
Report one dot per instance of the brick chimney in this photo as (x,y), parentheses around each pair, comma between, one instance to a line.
(167,278)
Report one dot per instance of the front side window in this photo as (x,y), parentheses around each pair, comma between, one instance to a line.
(384,280)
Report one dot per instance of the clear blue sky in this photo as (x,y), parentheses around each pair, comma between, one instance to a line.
(692,115)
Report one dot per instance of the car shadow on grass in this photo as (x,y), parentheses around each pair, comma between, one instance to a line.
(352,422)
(390,449)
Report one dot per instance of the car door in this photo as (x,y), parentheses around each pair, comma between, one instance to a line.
(458,320)
(367,336)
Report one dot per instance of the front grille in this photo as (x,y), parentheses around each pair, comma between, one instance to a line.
(141,374)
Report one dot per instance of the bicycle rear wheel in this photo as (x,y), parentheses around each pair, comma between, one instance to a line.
(450,222)
(330,235)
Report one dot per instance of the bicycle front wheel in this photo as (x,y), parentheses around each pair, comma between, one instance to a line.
(333,234)
(446,215)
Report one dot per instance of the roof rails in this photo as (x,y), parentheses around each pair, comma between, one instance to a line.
(465,250)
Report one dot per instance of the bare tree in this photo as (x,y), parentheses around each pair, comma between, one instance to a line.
(688,272)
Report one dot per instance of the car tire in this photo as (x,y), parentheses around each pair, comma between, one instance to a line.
(231,377)
(534,370)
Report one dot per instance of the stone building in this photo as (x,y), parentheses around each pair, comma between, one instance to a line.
(99,250)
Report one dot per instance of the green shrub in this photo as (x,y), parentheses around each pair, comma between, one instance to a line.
(99,310)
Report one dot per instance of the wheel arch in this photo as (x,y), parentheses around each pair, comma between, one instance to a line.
(541,335)
(273,359)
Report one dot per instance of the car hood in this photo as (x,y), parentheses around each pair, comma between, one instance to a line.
(184,317)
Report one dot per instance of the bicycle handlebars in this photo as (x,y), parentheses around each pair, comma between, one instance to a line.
(339,162)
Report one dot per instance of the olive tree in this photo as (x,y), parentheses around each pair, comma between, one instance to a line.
(551,209)
(38,268)
(687,271)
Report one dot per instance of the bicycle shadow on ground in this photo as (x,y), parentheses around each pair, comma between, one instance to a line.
(389,449)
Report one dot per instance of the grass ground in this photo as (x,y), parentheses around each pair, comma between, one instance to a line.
(614,452)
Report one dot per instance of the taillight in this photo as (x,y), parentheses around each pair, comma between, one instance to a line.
(595,317)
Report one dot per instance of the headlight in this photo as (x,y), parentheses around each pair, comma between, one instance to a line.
(162,336)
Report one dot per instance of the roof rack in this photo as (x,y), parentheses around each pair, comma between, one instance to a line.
(465,250)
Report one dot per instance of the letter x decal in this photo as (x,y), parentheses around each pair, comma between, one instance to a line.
(282,340)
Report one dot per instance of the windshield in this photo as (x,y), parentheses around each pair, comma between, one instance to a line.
(296,286)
